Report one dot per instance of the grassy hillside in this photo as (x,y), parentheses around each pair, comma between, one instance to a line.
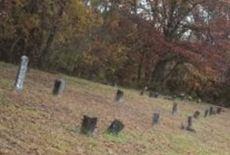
(35,122)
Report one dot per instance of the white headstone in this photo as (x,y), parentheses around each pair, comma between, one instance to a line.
(21,73)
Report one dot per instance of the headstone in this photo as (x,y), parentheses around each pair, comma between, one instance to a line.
(219,110)
(189,126)
(59,86)
(21,75)
(214,111)
(174,108)
(199,100)
(206,112)
(143,90)
(115,127)
(156,118)
(119,96)
(196,114)
(182,96)
(211,111)
(190,98)
(151,94)
(88,125)
(154,94)
(182,126)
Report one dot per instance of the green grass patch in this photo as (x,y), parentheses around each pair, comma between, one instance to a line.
(120,138)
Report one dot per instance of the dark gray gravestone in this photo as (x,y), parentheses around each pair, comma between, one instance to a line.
(59,86)
(115,127)
(189,126)
(196,114)
(174,108)
(154,94)
(119,96)
(21,75)
(219,110)
(88,125)
(211,111)
(206,112)
(156,118)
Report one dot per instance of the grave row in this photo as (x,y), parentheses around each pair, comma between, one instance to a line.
(89,124)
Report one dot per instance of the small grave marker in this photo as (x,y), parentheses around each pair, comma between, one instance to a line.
(119,96)
(88,125)
(214,111)
(189,126)
(156,118)
(144,90)
(196,114)
(219,110)
(115,127)
(59,86)
(182,96)
(154,94)
(211,111)
(206,112)
(174,108)
(21,75)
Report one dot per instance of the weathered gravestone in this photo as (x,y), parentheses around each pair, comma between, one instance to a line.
(196,114)
(214,111)
(189,126)
(59,86)
(206,112)
(156,118)
(88,125)
(144,90)
(154,94)
(182,96)
(174,108)
(21,75)
(211,111)
(219,110)
(119,96)
(115,127)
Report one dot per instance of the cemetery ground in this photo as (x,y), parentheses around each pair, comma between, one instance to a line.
(36,122)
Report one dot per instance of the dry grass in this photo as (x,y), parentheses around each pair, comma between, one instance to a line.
(35,122)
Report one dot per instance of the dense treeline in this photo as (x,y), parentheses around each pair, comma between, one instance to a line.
(172,46)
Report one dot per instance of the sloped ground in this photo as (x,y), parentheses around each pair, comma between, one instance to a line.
(35,122)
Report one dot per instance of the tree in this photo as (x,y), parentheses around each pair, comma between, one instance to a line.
(33,27)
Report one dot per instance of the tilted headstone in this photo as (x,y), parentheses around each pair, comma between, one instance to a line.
(219,110)
(21,75)
(59,86)
(156,118)
(196,114)
(211,111)
(174,108)
(88,125)
(189,126)
(119,96)
(206,112)
(115,127)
